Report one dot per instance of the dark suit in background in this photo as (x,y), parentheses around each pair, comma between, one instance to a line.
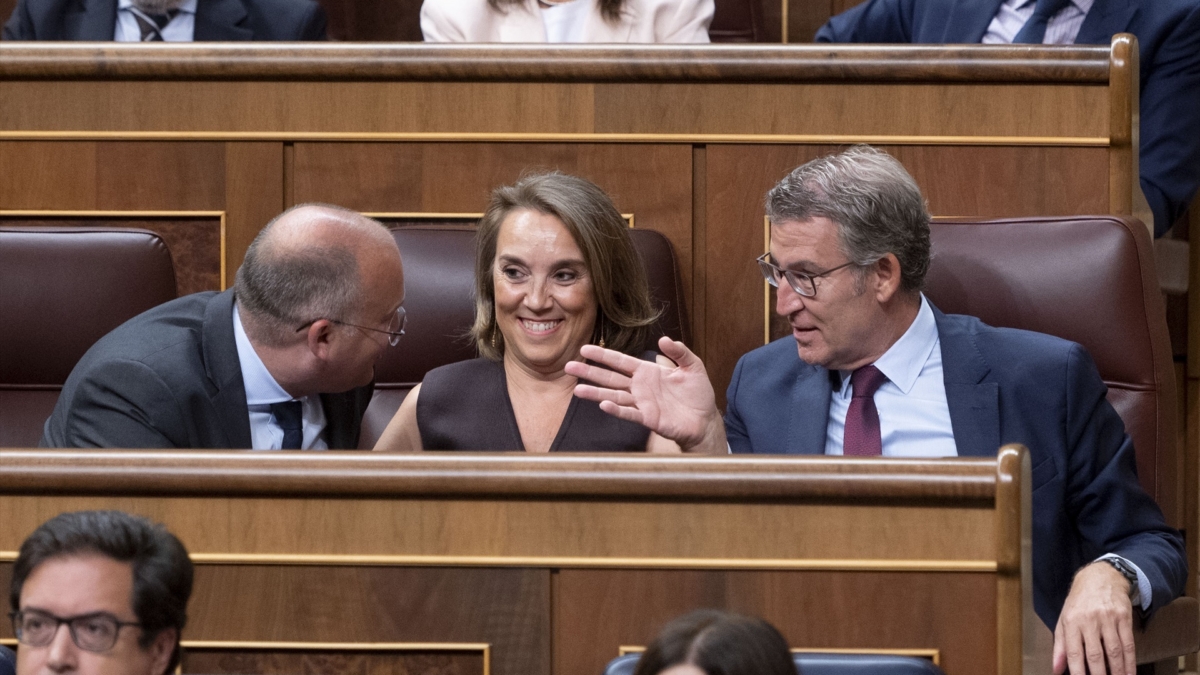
(216,20)
(170,378)
(8,661)
(1002,386)
(1168,33)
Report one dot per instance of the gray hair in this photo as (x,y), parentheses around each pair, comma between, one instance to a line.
(282,287)
(875,203)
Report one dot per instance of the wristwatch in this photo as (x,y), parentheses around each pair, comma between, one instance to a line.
(1127,571)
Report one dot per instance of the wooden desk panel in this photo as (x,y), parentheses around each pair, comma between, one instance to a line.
(816,610)
(687,139)
(518,565)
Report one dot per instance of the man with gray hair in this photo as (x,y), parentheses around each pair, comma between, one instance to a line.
(285,359)
(872,368)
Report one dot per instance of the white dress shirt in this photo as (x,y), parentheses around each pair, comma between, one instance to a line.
(914,418)
(182,28)
(262,390)
(1061,29)
(566,22)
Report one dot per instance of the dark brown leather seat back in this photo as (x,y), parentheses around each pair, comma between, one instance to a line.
(1088,279)
(64,289)
(737,21)
(439,288)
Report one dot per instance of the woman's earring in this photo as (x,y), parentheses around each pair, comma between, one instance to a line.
(493,337)
(601,342)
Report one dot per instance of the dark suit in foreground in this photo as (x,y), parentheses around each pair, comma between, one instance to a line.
(170,378)
(216,20)
(1168,33)
(1002,386)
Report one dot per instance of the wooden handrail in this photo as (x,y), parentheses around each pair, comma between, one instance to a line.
(515,474)
(653,63)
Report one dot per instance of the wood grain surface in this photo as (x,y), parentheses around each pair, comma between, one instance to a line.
(558,63)
(687,139)
(553,563)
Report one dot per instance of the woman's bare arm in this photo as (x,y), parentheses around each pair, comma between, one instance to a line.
(402,434)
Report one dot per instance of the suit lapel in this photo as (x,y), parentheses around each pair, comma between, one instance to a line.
(224,369)
(221,21)
(96,22)
(340,431)
(810,411)
(1105,19)
(968,21)
(974,404)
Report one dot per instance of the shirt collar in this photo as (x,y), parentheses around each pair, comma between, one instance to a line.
(261,387)
(1081,5)
(188,7)
(903,361)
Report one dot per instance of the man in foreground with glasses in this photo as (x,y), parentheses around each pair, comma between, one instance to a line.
(285,359)
(99,592)
(873,369)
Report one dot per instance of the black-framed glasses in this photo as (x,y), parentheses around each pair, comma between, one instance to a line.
(395,329)
(802,282)
(95,632)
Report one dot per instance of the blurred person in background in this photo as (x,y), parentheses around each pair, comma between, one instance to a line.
(712,642)
(611,21)
(166,20)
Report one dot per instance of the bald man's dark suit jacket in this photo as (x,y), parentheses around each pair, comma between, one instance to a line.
(216,20)
(1168,33)
(170,378)
(1002,386)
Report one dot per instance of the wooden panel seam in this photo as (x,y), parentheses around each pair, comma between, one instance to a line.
(934,655)
(850,565)
(504,137)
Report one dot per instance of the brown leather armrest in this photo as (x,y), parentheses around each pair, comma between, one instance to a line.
(1173,631)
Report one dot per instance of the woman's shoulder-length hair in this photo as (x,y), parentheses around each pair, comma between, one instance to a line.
(624,312)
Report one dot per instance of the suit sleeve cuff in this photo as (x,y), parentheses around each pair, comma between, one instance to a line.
(1145,592)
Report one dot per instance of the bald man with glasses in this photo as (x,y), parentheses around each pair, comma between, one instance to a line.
(283,360)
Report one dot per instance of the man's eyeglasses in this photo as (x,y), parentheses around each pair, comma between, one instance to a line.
(803,283)
(394,330)
(96,632)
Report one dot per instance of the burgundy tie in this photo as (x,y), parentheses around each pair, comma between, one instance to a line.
(862,437)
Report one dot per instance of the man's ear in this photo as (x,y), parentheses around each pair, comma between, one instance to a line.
(319,335)
(887,277)
(161,650)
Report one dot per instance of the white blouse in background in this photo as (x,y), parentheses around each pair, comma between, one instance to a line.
(566,21)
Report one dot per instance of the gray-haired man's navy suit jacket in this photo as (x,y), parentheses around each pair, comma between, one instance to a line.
(1168,33)
(1002,386)
(216,20)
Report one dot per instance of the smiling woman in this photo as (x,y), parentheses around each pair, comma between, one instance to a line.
(555,269)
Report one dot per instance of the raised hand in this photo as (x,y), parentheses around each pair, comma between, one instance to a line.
(676,401)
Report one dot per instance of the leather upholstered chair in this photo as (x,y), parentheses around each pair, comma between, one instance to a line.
(1091,280)
(737,21)
(819,663)
(1088,279)
(439,287)
(64,289)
